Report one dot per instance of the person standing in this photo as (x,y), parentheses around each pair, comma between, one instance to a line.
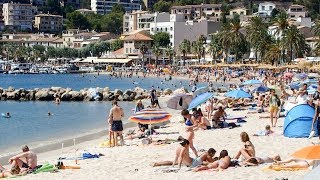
(274,103)
(154,98)
(315,121)
(115,122)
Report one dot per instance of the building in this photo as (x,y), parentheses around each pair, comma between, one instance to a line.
(179,29)
(105,6)
(68,37)
(140,20)
(48,23)
(85,11)
(297,11)
(85,38)
(1,18)
(266,8)
(191,12)
(18,16)
(132,44)
(239,10)
(39,2)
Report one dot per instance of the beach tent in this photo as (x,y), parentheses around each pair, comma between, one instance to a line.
(297,123)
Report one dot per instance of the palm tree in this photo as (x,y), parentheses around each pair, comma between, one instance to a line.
(157,52)
(215,47)
(282,23)
(143,50)
(257,34)
(274,52)
(197,49)
(316,30)
(169,52)
(184,48)
(296,42)
(231,37)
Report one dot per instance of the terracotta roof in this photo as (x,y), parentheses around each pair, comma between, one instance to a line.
(58,40)
(11,40)
(197,6)
(119,51)
(86,34)
(138,36)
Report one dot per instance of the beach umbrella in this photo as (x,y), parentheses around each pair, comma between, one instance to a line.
(313,75)
(309,152)
(200,90)
(261,89)
(295,85)
(200,99)
(288,75)
(238,93)
(179,101)
(301,76)
(150,116)
(251,82)
(310,81)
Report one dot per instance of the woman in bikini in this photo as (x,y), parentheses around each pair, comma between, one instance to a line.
(15,170)
(294,163)
(248,150)
(221,164)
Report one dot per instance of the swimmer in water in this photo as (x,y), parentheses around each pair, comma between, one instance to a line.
(49,113)
(8,115)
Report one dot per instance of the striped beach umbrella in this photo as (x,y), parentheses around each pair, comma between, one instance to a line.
(150,116)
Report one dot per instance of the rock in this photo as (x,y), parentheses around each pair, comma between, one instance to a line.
(120,98)
(43,95)
(118,91)
(65,96)
(76,96)
(167,91)
(10,89)
(13,95)
(31,95)
(128,92)
(139,97)
(56,89)
(106,89)
(139,90)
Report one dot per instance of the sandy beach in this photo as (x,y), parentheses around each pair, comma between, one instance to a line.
(134,160)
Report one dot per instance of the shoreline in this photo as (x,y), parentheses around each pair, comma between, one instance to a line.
(68,142)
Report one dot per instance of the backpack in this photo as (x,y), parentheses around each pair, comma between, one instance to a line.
(278,102)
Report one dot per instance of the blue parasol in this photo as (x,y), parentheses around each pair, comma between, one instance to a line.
(200,99)
(237,94)
(261,89)
(251,82)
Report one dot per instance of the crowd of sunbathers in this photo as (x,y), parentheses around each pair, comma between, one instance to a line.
(208,160)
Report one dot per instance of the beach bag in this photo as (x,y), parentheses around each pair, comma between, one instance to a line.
(278,102)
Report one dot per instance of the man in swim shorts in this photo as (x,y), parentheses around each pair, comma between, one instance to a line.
(27,159)
(115,115)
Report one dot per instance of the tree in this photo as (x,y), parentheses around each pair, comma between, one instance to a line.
(184,48)
(296,42)
(112,23)
(162,6)
(316,30)
(118,8)
(157,52)
(274,53)
(215,47)
(115,45)
(197,48)
(143,50)
(76,20)
(257,35)
(161,39)
(169,53)
(282,23)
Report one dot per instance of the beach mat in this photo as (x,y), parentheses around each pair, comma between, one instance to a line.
(278,168)
(45,168)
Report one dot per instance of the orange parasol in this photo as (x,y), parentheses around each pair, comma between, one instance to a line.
(309,152)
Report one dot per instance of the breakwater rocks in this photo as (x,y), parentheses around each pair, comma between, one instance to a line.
(86,94)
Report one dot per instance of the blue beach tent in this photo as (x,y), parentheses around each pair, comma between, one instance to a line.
(297,123)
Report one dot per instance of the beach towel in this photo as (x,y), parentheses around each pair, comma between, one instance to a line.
(279,168)
(89,155)
(45,168)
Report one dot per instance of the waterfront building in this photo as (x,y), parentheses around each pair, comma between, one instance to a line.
(105,6)
(191,12)
(296,11)
(18,16)
(266,8)
(48,23)
(140,20)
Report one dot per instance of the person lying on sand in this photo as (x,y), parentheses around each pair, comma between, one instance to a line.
(221,164)
(14,171)
(139,134)
(182,157)
(254,161)
(265,132)
(294,163)
(248,150)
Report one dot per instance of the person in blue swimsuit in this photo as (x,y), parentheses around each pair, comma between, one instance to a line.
(189,119)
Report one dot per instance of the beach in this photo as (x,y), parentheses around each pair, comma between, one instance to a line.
(134,161)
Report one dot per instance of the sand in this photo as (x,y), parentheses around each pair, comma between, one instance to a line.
(134,161)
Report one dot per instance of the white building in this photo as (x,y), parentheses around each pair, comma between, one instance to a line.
(18,16)
(266,8)
(297,11)
(140,20)
(105,6)
(179,29)
(190,12)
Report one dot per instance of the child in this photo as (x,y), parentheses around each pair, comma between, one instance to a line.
(265,132)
